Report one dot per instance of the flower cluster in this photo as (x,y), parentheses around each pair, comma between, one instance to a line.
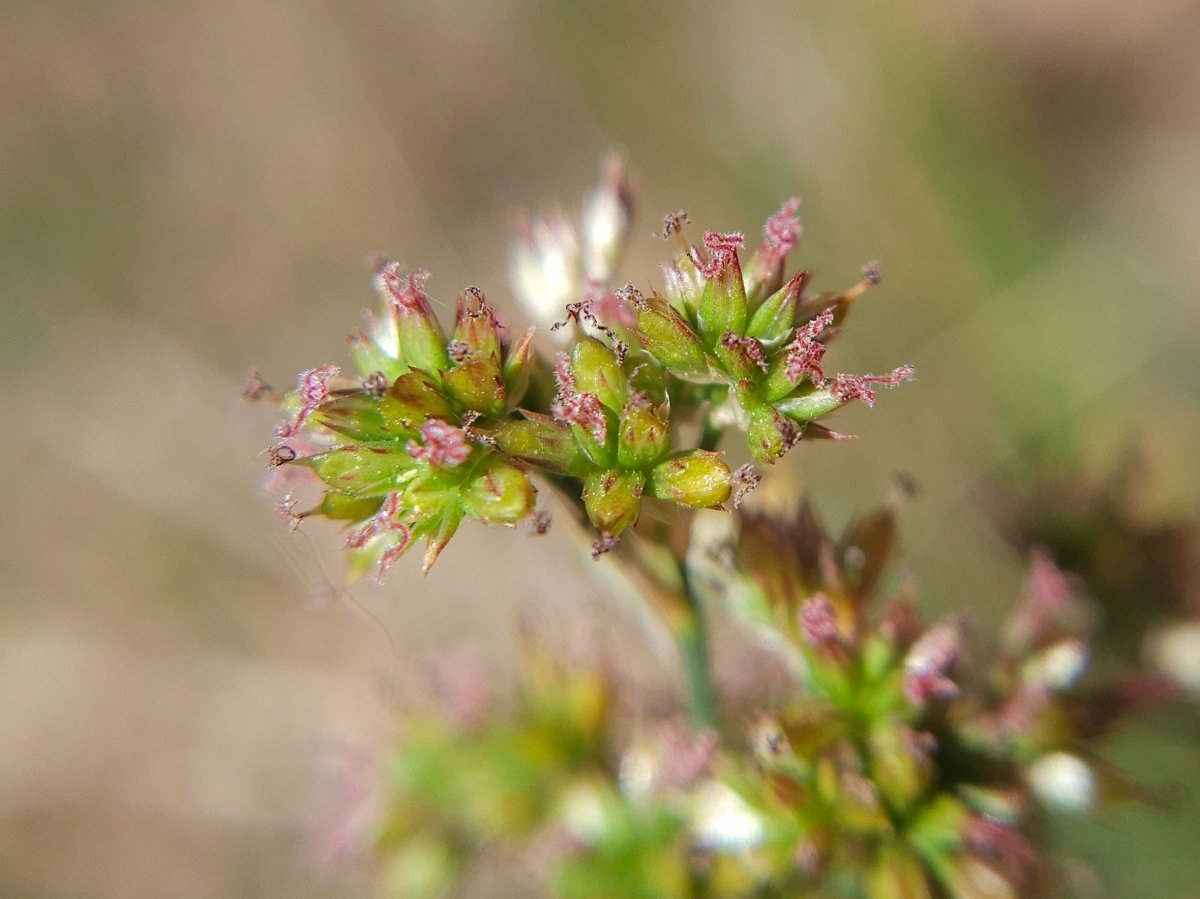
(755,340)
(434,429)
(394,448)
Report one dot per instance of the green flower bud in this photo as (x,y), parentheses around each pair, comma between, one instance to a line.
(613,500)
(769,434)
(897,874)
(597,442)
(695,478)
(859,807)
(901,764)
(339,507)
(742,358)
(666,335)
(423,867)
(516,368)
(774,319)
(540,442)
(498,493)
(597,371)
(642,437)
(364,418)
(417,397)
(359,471)
(475,326)
(810,405)
(420,341)
(477,385)
(722,303)
(937,830)
(374,351)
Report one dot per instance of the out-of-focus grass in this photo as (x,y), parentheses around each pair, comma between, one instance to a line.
(189,189)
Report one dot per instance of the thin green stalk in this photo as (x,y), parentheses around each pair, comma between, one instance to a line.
(692,634)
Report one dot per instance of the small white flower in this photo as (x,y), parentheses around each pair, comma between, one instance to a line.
(1175,651)
(722,820)
(1058,666)
(604,222)
(583,813)
(544,269)
(1063,780)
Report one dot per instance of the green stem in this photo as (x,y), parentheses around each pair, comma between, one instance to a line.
(692,634)
(710,434)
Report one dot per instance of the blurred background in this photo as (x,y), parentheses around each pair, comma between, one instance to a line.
(191,189)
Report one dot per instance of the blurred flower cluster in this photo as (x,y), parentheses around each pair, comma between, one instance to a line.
(900,760)
(1141,573)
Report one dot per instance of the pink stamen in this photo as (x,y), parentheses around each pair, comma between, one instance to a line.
(723,246)
(405,290)
(818,621)
(781,232)
(848,388)
(384,523)
(927,665)
(445,445)
(313,389)
(582,409)
(805,352)
(748,347)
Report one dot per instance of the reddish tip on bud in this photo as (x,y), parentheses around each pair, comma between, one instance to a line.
(780,234)
(996,842)
(723,246)
(256,389)
(405,290)
(748,350)
(871,277)
(818,621)
(928,663)
(538,524)
(687,756)
(782,230)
